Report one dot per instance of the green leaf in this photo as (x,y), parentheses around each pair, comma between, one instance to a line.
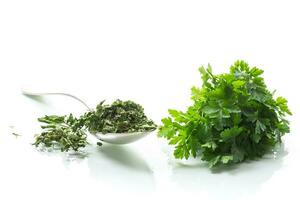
(282,104)
(167,121)
(238,84)
(181,151)
(283,126)
(167,132)
(213,162)
(178,116)
(226,159)
(197,94)
(256,137)
(238,153)
(259,127)
(233,109)
(211,145)
(256,72)
(175,140)
(231,133)
(210,110)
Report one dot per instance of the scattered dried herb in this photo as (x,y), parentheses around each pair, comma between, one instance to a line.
(15,134)
(65,132)
(234,118)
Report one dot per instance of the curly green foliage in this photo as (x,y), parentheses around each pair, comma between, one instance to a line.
(119,117)
(63,131)
(234,118)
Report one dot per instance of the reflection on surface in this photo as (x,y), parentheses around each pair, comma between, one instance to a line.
(243,179)
(124,156)
(121,167)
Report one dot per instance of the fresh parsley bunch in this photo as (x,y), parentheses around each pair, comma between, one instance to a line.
(234,118)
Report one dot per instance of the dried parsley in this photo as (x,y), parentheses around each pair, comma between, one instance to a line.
(119,117)
(234,118)
(69,132)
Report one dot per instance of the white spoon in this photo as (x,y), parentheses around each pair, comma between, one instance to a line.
(112,138)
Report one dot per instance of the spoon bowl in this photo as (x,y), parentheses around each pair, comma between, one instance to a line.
(121,138)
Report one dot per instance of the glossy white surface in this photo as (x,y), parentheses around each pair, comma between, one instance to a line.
(147,51)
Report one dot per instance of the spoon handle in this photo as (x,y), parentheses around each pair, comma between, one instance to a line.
(28,93)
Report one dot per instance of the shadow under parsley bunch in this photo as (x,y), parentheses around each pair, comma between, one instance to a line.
(68,132)
(234,118)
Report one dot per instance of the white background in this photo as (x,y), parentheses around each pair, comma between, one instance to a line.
(147,51)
